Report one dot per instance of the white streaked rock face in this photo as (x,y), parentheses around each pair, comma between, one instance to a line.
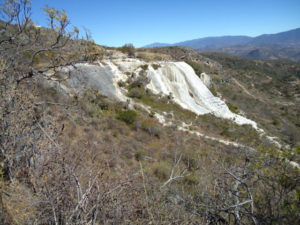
(189,91)
(175,78)
(206,79)
(103,77)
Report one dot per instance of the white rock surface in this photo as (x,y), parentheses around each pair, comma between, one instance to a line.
(175,78)
(189,91)
(206,79)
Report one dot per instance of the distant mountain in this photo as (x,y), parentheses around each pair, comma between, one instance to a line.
(215,42)
(261,52)
(283,45)
(289,38)
(207,43)
(157,44)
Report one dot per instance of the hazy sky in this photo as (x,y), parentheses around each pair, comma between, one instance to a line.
(141,22)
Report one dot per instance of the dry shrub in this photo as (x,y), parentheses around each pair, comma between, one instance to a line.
(19,203)
(151,127)
(161,170)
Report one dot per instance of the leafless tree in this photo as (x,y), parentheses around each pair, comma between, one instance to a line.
(30,151)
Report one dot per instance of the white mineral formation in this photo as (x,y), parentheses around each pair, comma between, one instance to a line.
(206,79)
(177,79)
(188,90)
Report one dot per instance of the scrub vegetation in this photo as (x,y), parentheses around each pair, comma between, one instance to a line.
(86,159)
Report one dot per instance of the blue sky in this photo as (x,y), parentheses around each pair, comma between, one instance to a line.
(141,22)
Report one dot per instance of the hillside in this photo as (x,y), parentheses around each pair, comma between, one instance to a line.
(283,45)
(98,135)
(288,38)
(272,86)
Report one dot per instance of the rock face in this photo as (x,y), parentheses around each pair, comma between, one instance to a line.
(188,90)
(101,77)
(177,79)
(205,79)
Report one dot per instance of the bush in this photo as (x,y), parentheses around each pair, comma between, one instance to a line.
(144,67)
(127,116)
(161,170)
(141,81)
(275,122)
(93,96)
(213,91)
(155,66)
(191,179)
(140,155)
(103,104)
(196,66)
(121,83)
(128,49)
(136,93)
(233,108)
(151,127)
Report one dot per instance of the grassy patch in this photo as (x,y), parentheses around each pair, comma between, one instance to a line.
(233,108)
(166,105)
(127,116)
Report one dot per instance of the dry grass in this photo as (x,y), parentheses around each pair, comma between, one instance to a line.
(150,56)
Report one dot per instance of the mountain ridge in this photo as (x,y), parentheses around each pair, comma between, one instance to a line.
(244,39)
(282,45)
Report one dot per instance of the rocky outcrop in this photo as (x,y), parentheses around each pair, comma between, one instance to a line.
(176,79)
(206,79)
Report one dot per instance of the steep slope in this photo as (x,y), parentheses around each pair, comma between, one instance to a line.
(268,92)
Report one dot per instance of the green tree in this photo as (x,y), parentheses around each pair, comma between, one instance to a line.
(128,49)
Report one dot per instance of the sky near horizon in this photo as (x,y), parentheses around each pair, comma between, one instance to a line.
(142,22)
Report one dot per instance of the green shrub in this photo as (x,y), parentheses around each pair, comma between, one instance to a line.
(191,179)
(127,116)
(136,93)
(115,133)
(144,67)
(128,49)
(155,66)
(121,83)
(275,122)
(233,108)
(139,82)
(196,66)
(140,155)
(94,112)
(103,104)
(97,100)
(213,91)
